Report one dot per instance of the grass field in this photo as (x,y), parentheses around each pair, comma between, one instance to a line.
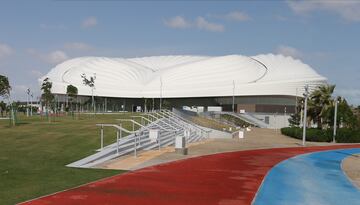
(33,154)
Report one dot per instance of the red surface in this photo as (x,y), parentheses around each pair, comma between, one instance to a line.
(227,178)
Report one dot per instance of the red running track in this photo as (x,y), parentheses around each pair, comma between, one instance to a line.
(227,178)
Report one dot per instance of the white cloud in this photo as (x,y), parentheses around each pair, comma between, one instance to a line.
(78,46)
(53,57)
(56,57)
(352,95)
(237,16)
(347,9)
(5,50)
(89,22)
(289,51)
(202,23)
(177,22)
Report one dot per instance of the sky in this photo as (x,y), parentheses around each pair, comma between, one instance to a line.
(36,35)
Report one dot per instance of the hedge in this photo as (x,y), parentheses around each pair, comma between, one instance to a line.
(343,135)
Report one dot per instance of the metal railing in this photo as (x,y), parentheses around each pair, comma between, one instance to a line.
(119,131)
(168,123)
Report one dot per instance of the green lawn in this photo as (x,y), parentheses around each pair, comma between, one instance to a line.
(33,155)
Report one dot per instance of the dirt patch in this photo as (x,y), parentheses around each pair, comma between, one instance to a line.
(351,166)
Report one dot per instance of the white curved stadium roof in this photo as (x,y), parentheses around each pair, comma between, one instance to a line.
(186,76)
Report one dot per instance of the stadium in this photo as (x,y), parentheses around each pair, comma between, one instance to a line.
(260,84)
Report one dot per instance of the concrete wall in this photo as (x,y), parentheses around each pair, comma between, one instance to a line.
(275,121)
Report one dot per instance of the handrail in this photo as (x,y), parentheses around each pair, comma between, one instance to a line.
(116,126)
(151,115)
(162,117)
(161,121)
(157,113)
(145,127)
(171,114)
(191,123)
(142,117)
(133,121)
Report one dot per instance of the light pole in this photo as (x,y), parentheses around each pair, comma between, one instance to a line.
(31,101)
(233,97)
(296,101)
(335,119)
(92,94)
(306,94)
(285,116)
(27,102)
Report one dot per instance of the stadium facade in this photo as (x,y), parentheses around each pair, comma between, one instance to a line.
(260,84)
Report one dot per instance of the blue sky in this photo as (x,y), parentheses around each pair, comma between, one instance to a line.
(37,35)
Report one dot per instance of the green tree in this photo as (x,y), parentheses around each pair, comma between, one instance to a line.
(72,92)
(91,83)
(4,87)
(294,120)
(357,114)
(345,115)
(47,96)
(320,102)
(5,93)
(2,108)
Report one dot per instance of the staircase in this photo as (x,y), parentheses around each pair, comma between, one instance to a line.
(169,125)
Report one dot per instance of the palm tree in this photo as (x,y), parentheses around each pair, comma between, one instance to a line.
(320,102)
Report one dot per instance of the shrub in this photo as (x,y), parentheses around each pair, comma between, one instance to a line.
(343,135)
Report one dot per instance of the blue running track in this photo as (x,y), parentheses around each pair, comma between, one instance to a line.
(310,179)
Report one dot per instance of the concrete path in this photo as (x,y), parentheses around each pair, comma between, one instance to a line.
(256,139)
(315,178)
(226,179)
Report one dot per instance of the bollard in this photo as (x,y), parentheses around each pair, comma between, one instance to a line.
(180,145)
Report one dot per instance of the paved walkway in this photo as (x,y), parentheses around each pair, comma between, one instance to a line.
(256,139)
(315,178)
(227,178)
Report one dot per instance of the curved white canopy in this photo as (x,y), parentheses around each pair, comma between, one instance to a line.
(186,76)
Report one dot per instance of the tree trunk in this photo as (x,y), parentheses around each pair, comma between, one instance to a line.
(319,124)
